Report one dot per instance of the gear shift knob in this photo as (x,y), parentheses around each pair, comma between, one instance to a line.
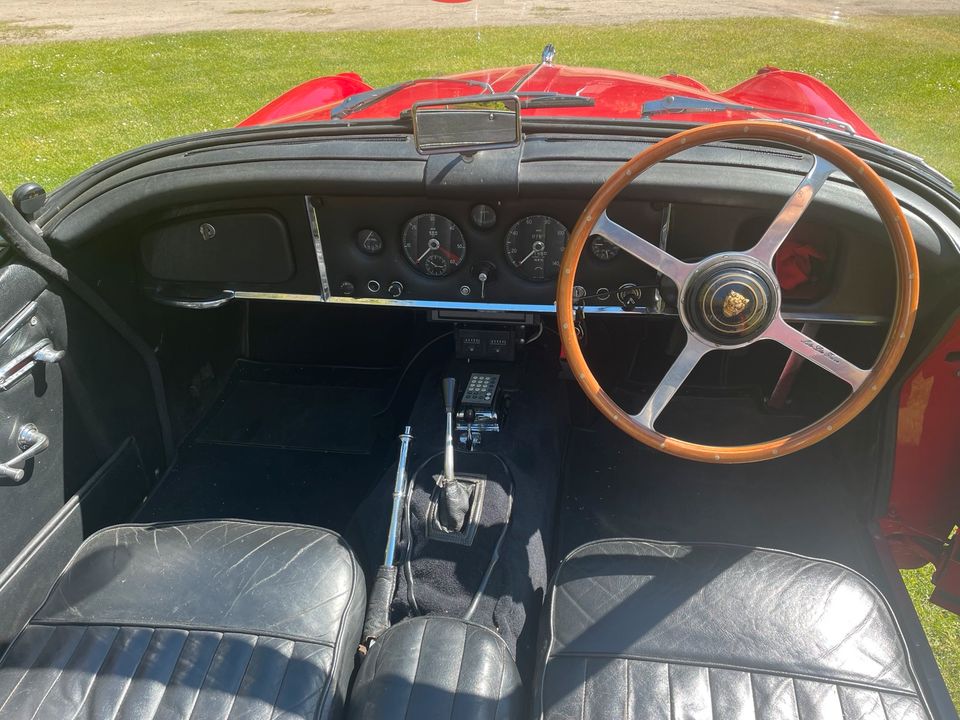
(449,394)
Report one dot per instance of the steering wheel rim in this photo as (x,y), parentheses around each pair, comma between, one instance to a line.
(752,272)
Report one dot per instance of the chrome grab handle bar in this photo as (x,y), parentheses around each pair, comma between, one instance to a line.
(32,442)
(40,352)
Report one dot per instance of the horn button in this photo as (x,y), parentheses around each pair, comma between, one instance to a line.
(730,302)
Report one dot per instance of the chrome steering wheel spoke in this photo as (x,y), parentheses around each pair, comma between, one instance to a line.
(810,349)
(766,248)
(652,255)
(691,354)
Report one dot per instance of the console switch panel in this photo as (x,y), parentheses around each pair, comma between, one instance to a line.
(486,344)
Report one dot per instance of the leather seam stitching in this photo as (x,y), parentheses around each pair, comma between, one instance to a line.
(741,668)
(185,628)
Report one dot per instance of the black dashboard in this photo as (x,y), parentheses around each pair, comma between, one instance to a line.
(487,255)
(365,220)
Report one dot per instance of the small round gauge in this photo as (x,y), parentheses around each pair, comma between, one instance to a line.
(534,246)
(433,244)
(602,248)
(483,217)
(369,241)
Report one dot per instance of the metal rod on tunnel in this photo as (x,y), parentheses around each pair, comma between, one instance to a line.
(399,493)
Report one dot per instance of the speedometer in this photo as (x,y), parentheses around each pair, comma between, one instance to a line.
(534,246)
(433,244)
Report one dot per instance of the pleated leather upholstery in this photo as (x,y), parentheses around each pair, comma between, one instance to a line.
(639,629)
(438,668)
(222,619)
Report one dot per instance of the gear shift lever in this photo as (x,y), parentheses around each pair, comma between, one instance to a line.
(449,401)
(454,501)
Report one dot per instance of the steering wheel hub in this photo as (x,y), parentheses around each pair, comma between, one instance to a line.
(729,302)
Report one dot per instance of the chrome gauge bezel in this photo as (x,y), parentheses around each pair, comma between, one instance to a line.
(438,262)
(518,257)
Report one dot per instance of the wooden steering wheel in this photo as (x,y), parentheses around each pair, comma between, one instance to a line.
(732,299)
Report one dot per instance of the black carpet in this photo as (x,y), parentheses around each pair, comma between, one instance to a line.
(283,443)
(614,486)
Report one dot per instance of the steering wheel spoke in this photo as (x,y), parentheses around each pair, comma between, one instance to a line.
(766,248)
(807,347)
(675,269)
(691,354)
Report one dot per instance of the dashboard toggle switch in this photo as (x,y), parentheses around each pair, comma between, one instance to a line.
(484,272)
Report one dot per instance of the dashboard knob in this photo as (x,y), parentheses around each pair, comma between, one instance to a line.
(395,289)
(347,288)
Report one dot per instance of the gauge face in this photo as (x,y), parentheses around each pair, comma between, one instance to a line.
(534,246)
(433,244)
(602,249)
(370,242)
(483,217)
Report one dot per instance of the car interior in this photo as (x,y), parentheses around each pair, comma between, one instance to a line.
(318,442)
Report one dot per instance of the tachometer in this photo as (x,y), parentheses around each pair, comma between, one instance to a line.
(534,246)
(433,244)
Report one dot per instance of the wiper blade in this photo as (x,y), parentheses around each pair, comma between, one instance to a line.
(680,104)
(363,100)
(528,100)
(535,100)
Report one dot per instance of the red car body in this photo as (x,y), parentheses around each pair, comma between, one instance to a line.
(618,95)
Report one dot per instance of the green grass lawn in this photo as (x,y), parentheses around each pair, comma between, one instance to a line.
(66,105)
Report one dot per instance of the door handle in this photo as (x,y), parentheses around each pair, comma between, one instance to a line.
(40,352)
(32,442)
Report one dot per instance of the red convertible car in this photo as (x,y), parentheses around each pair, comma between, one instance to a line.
(534,392)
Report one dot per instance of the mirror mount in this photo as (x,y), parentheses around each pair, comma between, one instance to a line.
(466,125)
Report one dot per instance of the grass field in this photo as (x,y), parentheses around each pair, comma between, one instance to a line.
(66,105)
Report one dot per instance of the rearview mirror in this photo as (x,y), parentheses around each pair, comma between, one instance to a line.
(467,124)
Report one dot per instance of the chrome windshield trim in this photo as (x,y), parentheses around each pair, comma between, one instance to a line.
(318,247)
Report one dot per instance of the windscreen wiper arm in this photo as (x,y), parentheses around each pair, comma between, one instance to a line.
(680,104)
(535,100)
(363,100)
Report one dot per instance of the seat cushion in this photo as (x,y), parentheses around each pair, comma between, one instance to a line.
(203,619)
(437,667)
(662,630)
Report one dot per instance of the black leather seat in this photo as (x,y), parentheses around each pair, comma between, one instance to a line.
(202,620)
(438,667)
(659,630)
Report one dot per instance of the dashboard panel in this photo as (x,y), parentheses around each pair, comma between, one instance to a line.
(488,254)
(503,255)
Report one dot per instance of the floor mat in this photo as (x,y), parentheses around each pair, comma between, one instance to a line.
(253,483)
(614,486)
(283,443)
(300,408)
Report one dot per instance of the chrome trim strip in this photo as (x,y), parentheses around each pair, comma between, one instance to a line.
(825,318)
(317,247)
(18,321)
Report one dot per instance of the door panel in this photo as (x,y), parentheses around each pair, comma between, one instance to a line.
(97,407)
(37,398)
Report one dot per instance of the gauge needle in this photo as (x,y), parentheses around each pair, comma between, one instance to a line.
(532,253)
(432,245)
